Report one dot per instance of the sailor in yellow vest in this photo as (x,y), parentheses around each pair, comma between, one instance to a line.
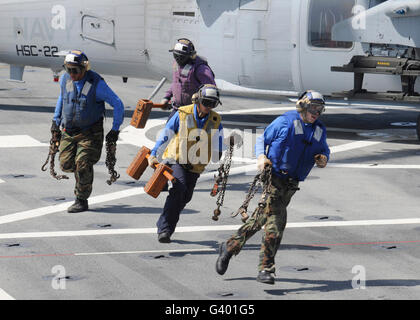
(195,136)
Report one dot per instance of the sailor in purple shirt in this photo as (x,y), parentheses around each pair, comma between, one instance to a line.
(189,73)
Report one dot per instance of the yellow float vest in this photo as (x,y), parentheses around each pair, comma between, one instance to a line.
(192,146)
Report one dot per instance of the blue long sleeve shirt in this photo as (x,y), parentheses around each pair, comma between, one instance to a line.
(103,93)
(291,145)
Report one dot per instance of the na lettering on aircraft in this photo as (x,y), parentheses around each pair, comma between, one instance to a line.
(359,49)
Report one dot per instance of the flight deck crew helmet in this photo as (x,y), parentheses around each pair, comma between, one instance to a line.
(183,51)
(311,101)
(208,95)
(76,61)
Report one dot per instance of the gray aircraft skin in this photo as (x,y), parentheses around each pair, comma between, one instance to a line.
(280,46)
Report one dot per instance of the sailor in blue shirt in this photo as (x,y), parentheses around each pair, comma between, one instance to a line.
(293,143)
(80,111)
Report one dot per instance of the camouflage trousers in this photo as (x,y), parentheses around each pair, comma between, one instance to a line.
(78,154)
(273,219)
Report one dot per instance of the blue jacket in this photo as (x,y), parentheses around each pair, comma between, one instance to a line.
(292,145)
(82,103)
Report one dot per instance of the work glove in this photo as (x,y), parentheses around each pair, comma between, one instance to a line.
(112,136)
(165,103)
(152,160)
(262,162)
(320,160)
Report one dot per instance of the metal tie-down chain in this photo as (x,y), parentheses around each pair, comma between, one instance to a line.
(54,144)
(262,180)
(221,180)
(111,160)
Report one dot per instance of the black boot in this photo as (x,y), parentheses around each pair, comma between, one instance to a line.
(265,277)
(78,206)
(223,260)
(164,237)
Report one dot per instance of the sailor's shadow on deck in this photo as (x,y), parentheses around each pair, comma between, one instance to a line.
(330,285)
(214,247)
(127,209)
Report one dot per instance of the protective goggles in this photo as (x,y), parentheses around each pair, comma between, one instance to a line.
(316,109)
(208,103)
(73,69)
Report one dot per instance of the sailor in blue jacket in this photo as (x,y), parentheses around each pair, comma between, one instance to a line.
(80,111)
(293,143)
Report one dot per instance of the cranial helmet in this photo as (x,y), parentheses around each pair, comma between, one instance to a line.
(208,95)
(312,102)
(183,51)
(77,58)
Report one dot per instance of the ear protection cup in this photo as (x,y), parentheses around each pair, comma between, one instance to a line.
(300,103)
(87,65)
(194,98)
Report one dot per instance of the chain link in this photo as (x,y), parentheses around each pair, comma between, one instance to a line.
(221,180)
(111,160)
(54,144)
(262,180)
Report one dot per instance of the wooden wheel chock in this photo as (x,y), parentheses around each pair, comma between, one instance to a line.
(162,173)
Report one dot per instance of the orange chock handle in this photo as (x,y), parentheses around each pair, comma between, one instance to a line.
(165,173)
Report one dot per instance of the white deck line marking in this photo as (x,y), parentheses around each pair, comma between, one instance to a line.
(244,123)
(20,141)
(143,252)
(266,124)
(136,231)
(373,166)
(349,165)
(372,106)
(2,181)
(244,111)
(138,137)
(285,108)
(5,296)
(63,206)
(354,145)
